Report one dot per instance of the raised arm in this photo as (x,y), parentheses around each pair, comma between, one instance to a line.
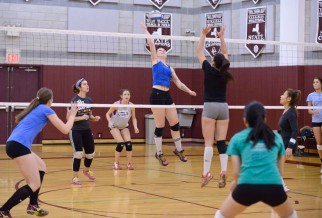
(59,124)
(154,58)
(200,54)
(220,34)
(175,79)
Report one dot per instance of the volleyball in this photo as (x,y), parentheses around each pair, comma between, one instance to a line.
(155,15)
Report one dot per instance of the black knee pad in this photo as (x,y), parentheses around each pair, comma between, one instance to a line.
(119,147)
(128,146)
(221,146)
(175,127)
(158,132)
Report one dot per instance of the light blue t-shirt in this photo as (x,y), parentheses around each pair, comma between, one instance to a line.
(28,128)
(258,164)
(316,100)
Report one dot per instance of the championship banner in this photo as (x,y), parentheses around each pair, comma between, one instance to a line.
(95,2)
(215,20)
(161,27)
(256,29)
(255,1)
(159,3)
(214,3)
(319,29)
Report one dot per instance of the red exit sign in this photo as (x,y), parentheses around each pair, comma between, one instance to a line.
(13,58)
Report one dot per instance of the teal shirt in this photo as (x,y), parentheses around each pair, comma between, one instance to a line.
(258,164)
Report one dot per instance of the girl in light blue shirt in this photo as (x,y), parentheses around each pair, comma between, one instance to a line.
(18,147)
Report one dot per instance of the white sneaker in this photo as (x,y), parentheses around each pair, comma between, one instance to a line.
(286,189)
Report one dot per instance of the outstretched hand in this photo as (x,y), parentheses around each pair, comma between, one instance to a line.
(206,30)
(73,108)
(221,32)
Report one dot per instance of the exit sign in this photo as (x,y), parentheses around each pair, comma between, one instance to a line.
(12,58)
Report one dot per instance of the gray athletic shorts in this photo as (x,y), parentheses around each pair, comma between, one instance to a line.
(216,110)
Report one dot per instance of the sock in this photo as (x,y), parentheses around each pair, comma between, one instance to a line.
(178,144)
(88,162)
(223,161)
(158,144)
(218,214)
(20,195)
(207,158)
(293,215)
(76,164)
(34,195)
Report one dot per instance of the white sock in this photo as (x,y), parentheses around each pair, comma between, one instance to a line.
(178,144)
(218,215)
(293,215)
(207,158)
(158,144)
(223,161)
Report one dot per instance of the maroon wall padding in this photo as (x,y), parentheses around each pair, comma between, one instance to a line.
(264,84)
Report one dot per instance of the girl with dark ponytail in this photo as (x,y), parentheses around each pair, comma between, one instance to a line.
(257,155)
(288,121)
(215,114)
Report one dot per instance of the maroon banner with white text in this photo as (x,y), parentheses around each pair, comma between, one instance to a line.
(160,27)
(159,3)
(319,29)
(214,3)
(256,29)
(215,20)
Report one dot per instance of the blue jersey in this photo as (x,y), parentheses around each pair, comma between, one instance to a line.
(258,164)
(316,100)
(28,128)
(161,74)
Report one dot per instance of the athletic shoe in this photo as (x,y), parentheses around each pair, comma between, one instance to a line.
(161,159)
(36,210)
(205,179)
(5,214)
(130,166)
(89,174)
(180,155)
(286,189)
(117,166)
(222,180)
(76,181)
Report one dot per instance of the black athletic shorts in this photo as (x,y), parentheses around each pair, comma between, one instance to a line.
(15,149)
(316,124)
(160,97)
(248,194)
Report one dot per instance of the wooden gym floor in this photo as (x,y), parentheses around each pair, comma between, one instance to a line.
(150,190)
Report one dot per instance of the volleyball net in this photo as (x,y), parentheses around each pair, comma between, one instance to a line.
(107,49)
(31,46)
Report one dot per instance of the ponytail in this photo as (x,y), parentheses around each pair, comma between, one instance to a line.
(222,64)
(255,116)
(43,96)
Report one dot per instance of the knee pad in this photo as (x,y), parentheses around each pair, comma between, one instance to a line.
(175,127)
(221,146)
(78,155)
(319,147)
(128,146)
(293,215)
(119,147)
(158,132)
(90,156)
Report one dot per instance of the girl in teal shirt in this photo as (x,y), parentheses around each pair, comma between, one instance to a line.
(257,155)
